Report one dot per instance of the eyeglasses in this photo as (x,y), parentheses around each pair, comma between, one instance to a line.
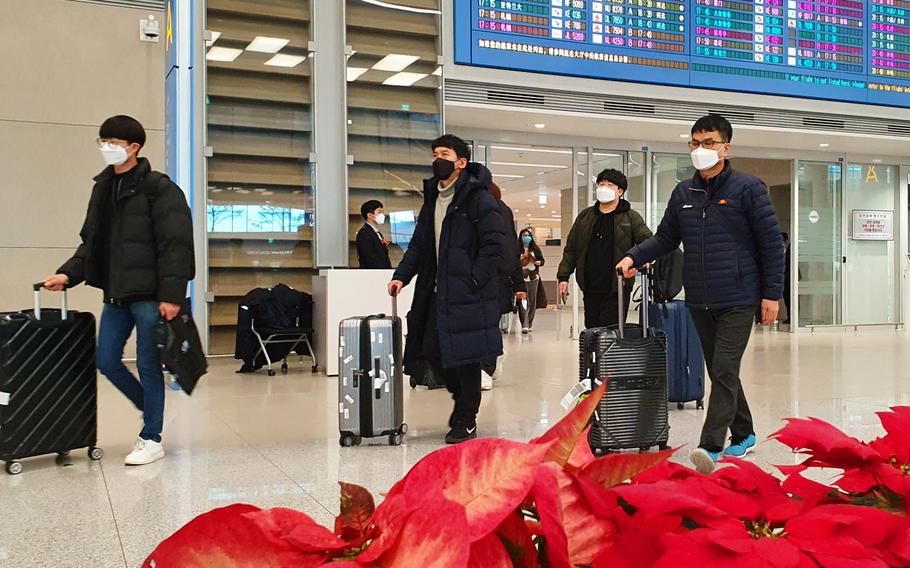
(706,144)
(112,141)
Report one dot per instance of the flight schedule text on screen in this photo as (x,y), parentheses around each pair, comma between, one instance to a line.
(843,50)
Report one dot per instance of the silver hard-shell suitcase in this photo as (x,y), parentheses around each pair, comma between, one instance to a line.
(370,379)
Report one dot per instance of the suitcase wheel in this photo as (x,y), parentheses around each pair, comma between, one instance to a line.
(680,405)
(395,439)
(663,446)
(284,368)
(348,440)
(314,368)
(413,382)
(95,453)
(272,372)
(13,468)
(700,405)
(644,449)
(403,429)
(64,453)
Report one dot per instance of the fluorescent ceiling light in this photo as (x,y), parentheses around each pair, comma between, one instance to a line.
(823,145)
(683,135)
(215,36)
(540,125)
(395,62)
(542,199)
(404,79)
(519,149)
(519,164)
(263,44)
(354,73)
(392,6)
(513,176)
(283,60)
(223,54)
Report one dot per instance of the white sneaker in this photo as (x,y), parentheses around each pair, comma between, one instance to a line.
(145,452)
(525,331)
(486,382)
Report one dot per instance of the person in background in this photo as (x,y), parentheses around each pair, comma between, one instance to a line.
(455,254)
(786,239)
(512,287)
(137,246)
(531,258)
(372,248)
(734,264)
(599,239)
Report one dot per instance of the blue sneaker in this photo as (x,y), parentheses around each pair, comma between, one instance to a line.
(704,461)
(741,448)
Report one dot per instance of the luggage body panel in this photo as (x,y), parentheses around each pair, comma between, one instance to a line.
(685,359)
(633,413)
(48,384)
(370,382)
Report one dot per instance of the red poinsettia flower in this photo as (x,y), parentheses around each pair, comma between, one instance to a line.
(883,463)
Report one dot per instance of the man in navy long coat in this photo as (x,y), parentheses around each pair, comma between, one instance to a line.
(455,255)
(734,267)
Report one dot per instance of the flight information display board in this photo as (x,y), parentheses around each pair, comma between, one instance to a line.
(843,50)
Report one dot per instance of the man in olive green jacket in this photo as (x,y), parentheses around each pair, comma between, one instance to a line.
(600,238)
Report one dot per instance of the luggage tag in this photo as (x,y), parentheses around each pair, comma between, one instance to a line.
(575,394)
(4,399)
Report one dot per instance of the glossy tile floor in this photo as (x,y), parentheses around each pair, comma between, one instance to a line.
(273,441)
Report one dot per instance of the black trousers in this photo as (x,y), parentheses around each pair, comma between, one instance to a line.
(463,382)
(602,309)
(724,336)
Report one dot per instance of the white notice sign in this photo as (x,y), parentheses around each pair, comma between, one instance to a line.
(873,225)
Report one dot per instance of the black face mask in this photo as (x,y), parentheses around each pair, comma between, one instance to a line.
(443,169)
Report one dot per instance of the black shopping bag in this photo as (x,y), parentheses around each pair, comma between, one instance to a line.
(181,349)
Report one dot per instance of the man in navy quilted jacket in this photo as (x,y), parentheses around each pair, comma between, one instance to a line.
(734,265)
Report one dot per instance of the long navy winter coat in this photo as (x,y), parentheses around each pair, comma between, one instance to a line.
(467,276)
(734,253)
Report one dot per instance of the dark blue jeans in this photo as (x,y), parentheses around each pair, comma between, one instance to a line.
(146,393)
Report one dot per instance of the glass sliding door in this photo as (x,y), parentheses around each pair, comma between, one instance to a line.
(667,171)
(872,279)
(819,248)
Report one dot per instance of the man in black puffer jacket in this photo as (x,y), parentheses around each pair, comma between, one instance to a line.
(734,264)
(455,253)
(137,246)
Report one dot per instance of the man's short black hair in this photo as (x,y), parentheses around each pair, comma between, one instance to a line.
(454,143)
(615,177)
(369,207)
(714,123)
(123,127)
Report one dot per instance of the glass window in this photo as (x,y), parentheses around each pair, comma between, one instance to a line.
(820,258)
(872,272)
(394,112)
(260,205)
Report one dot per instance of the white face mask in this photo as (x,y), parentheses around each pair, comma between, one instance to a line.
(704,159)
(380,219)
(605,194)
(113,155)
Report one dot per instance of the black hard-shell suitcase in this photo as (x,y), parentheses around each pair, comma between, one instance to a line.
(48,384)
(633,414)
(685,359)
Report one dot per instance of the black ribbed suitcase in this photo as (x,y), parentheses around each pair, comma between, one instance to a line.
(633,413)
(48,385)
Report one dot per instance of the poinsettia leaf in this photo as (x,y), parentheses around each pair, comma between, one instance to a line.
(357,508)
(315,538)
(587,534)
(226,538)
(582,456)
(810,492)
(489,552)
(549,509)
(826,445)
(614,469)
(516,536)
(432,536)
(665,471)
(567,432)
(489,477)
(897,424)
(388,520)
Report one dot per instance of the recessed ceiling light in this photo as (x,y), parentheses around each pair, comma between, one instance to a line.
(223,54)
(354,73)
(395,62)
(516,210)
(264,44)
(529,200)
(283,60)
(215,36)
(404,79)
(823,145)
(540,125)
(552,211)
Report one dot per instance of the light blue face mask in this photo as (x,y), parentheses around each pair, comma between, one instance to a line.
(526,239)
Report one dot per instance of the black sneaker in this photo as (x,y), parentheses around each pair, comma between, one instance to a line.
(462,432)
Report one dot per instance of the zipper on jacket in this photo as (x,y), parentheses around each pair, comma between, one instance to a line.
(704,215)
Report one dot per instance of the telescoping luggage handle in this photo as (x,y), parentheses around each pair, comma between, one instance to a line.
(645,301)
(63,309)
